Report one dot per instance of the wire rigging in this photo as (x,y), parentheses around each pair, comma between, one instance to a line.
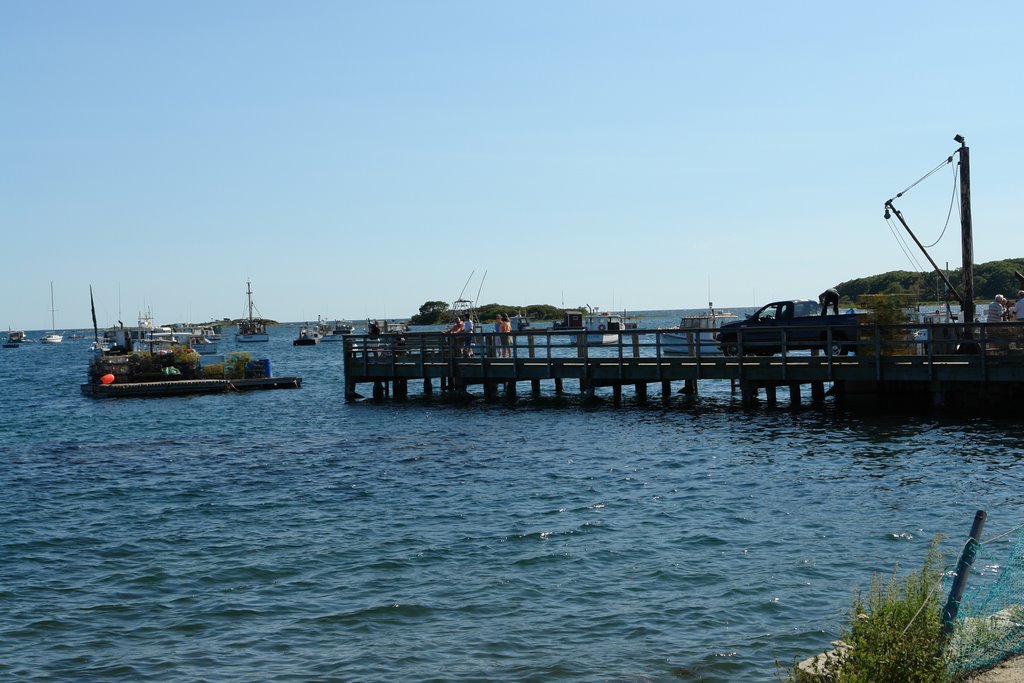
(952,201)
(948,160)
(907,251)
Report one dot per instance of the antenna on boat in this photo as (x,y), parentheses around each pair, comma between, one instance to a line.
(467,284)
(476,301)
(95,327)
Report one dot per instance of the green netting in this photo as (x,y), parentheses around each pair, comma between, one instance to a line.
(990,619)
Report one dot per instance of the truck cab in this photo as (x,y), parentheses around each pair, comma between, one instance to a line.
(789,325)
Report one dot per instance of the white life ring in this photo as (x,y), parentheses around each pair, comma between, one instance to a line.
(601,327)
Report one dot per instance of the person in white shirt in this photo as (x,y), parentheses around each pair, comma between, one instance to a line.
(995,310)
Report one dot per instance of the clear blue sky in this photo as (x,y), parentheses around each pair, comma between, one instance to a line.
(359,159)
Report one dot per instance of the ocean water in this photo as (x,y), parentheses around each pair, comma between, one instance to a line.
(290,536)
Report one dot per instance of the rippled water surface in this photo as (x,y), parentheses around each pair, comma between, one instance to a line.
(288,536)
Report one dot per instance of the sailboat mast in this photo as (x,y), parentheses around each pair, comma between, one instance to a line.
(248,290)
(53,320)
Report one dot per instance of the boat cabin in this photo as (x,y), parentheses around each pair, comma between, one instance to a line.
(571,320)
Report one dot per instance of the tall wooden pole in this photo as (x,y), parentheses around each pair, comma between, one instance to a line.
(966,234)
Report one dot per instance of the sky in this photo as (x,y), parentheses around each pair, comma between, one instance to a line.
(358,159)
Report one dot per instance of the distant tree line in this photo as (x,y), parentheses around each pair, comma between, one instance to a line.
(994,277)
(439,312)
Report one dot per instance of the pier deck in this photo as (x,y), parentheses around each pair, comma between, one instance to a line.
(989,365)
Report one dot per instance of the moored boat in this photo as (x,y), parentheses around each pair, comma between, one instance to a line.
(309,335)
(337,330)
(605,328)
(697,334)
(15,338)
(251,329)
(52,337)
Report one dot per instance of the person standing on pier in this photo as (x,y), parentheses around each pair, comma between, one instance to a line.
(498,351)
(829,297)
(467,329)
(1019,307)
(506,329)
(995,311)
(456,328)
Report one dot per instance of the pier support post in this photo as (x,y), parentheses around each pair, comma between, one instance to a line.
(794,394)
(378,390)
(666,391)
(350,390)
(558,385)
(641,393)
(490,390)
(428,386)
(817,392)
(401,389)
(770,394)
(535,388)
(510,390)
(617,394)
(689,387)
(748,393)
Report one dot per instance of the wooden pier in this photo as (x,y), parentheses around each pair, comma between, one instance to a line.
(984,363)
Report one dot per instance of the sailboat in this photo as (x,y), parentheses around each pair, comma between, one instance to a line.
(252,329)
(53,337)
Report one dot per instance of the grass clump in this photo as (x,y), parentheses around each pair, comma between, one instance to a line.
(893,633)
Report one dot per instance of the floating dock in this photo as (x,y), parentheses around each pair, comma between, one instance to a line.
(188,386)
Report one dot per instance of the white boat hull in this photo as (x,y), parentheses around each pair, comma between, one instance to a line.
(685,343)
(246,338)
(602,339)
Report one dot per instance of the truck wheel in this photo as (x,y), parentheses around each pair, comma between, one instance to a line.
(730,349)
(837,349)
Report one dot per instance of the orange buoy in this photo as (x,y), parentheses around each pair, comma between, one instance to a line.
(107,379)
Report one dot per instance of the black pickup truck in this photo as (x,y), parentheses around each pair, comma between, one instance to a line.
(796,324)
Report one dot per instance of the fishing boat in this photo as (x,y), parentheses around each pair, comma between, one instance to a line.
(15,338)
(309,335)
(52,337)
(697,334)
(251,329)
(336,331)
(603,328)
(520,322)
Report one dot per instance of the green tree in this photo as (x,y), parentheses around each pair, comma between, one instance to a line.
(430,313)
